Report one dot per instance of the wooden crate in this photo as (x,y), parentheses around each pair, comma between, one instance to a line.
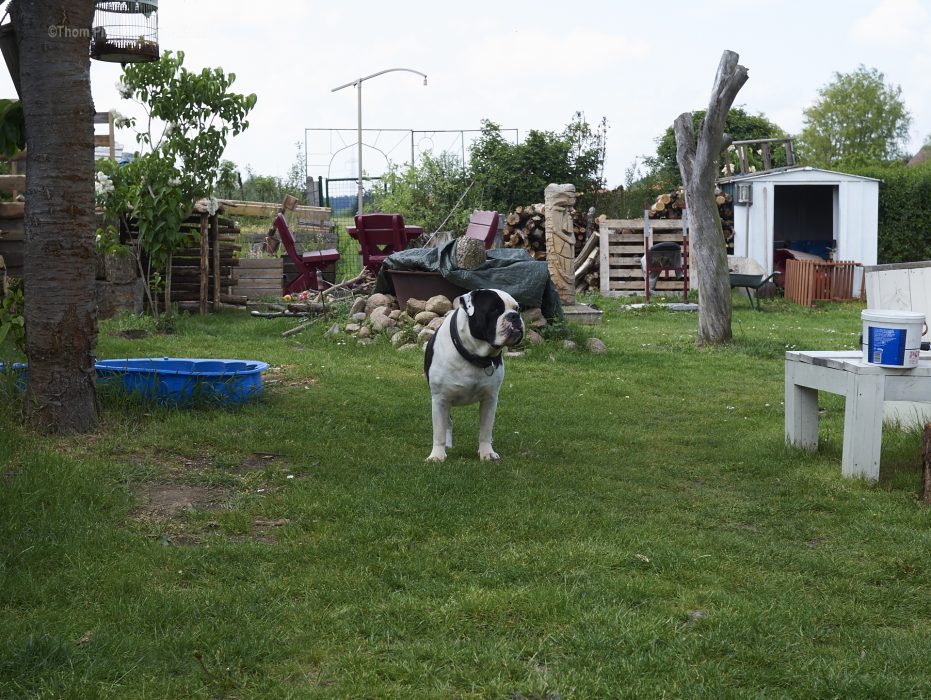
(808,281)
(621,246)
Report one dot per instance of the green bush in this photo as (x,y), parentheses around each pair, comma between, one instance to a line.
(904,211)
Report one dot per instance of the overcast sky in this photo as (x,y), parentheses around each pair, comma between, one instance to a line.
(524,65)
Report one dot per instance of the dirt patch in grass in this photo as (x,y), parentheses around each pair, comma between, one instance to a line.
(167,501)
(165,505)
(258,461)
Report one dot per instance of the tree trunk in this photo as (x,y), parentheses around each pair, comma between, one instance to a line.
(58,274)
(698,163)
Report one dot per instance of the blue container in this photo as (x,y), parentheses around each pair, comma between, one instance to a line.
(179,381)
(19,371)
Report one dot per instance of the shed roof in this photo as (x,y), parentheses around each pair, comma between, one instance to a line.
(783,173)
(923,156)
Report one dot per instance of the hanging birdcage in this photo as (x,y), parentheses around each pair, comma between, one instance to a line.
(125,31)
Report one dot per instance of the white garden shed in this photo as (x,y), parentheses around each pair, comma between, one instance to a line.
(808,210)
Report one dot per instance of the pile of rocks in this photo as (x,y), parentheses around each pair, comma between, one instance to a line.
(414,325)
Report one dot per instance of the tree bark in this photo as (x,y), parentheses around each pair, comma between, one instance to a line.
(698,163)
(58,270)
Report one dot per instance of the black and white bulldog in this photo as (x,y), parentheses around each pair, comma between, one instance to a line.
(463,363)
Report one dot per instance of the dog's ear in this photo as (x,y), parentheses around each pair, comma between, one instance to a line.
(465,302)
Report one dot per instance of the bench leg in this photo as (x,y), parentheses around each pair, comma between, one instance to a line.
(863,425)
(801,408)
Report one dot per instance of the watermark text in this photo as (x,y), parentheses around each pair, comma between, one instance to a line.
(63,31)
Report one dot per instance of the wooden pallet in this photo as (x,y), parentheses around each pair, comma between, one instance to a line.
(621,246)
(808,281)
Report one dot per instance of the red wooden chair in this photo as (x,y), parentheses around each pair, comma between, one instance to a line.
(380,235)
(308,264)
(483,225)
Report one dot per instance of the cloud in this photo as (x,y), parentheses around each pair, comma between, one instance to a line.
(891,24)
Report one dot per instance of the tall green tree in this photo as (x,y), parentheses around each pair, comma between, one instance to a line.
(858,119)
(58,270)
(740,125)
(512,174)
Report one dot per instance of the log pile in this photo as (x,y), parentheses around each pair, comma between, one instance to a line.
(670,205)
(525,227)
(587,269)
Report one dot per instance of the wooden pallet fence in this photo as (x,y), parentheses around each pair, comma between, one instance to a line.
(622,244)
(202,274)
(808,281)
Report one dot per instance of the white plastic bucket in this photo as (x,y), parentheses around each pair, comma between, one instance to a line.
(892,338)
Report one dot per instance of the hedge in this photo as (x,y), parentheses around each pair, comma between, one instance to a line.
(904,211)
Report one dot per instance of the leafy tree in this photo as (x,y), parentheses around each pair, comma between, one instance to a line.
(229,181)
(429,193)
(12,127)
(198,113)
(295,182)
(262,188)
(515,174)
(739,125)
(858,120)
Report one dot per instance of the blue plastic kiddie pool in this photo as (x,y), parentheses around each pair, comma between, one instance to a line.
(182,381)
(173,381)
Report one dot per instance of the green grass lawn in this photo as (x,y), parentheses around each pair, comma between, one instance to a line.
(646,533)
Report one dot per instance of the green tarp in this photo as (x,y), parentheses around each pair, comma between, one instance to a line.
(509,269)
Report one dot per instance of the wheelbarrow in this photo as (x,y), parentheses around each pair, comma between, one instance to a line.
(753,282)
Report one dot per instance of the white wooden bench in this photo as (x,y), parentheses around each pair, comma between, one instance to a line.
(865,386)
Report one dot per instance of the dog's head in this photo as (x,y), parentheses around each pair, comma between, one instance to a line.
(494,316)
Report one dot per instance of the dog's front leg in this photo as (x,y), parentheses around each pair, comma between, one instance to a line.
(486,419)
(442,429)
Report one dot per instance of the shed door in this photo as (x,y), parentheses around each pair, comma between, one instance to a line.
(804,218)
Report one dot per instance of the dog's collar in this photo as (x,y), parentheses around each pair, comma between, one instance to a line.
(485,362)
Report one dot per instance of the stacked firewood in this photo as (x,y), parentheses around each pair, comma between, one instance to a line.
(525,227)
(587,269)
(670,205)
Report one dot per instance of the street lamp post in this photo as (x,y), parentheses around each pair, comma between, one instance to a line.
(358,83)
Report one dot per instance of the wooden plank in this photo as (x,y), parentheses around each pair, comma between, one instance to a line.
(260,263)
(267,277)
(232,207)
(12,183)
(656,224)
(631,238)
(603,259)
(101,140)
(12,210)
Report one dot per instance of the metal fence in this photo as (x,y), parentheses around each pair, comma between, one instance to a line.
(342,196)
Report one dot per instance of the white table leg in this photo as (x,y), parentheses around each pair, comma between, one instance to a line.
(801,408)
(863,425)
